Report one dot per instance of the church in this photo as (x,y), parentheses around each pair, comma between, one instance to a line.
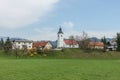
(65,43)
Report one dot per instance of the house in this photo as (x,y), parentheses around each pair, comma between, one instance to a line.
(21,44)
(42,44)
(65,43)
(111,45)
(54,44)
(96,45)
(70,43)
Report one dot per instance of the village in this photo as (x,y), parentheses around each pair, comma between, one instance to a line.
(59,39)
(61,43)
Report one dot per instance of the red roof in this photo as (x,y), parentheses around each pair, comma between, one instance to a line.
(39,44)
(70,42)
(96,44)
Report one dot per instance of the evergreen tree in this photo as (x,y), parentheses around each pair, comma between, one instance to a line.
(7,46)
(104,42)
(1,44)
(118,41)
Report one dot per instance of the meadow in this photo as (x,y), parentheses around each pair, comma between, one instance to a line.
(59,69)
(62,65)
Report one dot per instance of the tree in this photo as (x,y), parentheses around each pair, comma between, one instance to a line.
(118,41)
(104,42)
(83,40)
(71,40)
(1,44)
(7,46)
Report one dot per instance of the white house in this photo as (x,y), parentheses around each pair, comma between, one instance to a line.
(65,43)
(21,44)
(112,45)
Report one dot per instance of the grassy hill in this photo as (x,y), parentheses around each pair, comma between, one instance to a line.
(72,54)
(78,54)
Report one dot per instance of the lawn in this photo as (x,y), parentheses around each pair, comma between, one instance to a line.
(59,69)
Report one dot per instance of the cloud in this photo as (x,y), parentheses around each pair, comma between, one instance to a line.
(44,33)
(68,24)
(68,27)
(51,34)
(19,13)
(99,34)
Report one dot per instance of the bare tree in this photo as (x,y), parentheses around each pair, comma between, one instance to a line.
(83,40)
(72,39)
(16,50)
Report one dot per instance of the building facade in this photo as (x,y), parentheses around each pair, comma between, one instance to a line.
(21,44)
(65,43)
(42,44)
(96,45)
(71,43)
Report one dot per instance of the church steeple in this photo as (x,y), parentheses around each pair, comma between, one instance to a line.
(60,30)
(60,40)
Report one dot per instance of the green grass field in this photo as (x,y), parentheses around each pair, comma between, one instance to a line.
(69,64)
(59,69)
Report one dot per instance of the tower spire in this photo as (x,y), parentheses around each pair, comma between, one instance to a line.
(60,30)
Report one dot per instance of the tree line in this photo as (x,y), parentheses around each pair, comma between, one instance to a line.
(6,45)
(10,49)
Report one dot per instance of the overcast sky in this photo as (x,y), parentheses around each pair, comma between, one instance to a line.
(40,19)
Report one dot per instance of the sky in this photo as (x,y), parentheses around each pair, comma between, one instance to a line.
(41,19)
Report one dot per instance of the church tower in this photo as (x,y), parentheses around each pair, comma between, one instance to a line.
(60,39)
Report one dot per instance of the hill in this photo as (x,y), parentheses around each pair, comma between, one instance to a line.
(98,40)
(12,38)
